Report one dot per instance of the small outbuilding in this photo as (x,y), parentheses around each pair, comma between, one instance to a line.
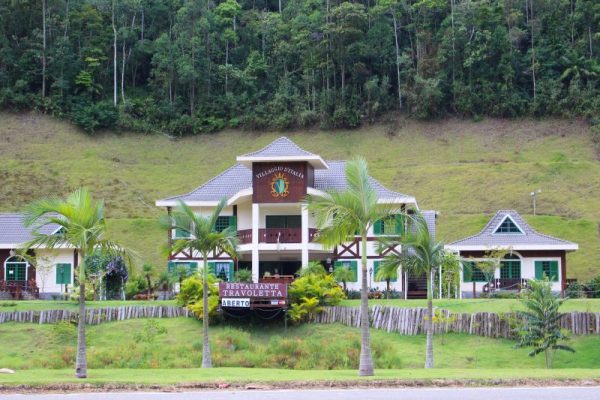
(526,254)
(42,273)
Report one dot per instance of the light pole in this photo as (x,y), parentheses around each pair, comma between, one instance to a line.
(533,196)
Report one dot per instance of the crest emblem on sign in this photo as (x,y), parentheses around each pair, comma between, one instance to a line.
(279,185)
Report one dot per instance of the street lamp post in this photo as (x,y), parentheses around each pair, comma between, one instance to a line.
(533,198)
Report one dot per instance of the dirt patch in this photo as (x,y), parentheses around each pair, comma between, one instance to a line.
(295,385)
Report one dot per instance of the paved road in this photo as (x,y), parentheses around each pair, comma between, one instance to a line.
(547,393)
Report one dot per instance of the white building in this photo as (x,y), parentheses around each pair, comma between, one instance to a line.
(265,191)
(48,272)
(529,255)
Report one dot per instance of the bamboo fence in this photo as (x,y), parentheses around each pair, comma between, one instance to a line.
(412,321)
(95,316)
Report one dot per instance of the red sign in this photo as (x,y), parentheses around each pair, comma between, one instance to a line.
(250,290)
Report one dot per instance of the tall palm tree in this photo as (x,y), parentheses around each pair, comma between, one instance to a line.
(339,216)
(82,226)
(344,275)
(421,255)
(206,240)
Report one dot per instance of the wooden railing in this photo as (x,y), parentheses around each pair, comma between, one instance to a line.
(505,284)
(276,235)
(19,289)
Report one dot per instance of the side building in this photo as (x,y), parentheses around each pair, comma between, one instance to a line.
(265,192)
(43,273)
(529,255)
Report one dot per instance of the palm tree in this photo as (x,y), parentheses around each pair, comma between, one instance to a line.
(206,240)
(339,216)
(82,226)
(343,274)
(387,272)
(148,271)
(421,255)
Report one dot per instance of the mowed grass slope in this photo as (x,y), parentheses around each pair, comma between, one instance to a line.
(305,347)
(464,170)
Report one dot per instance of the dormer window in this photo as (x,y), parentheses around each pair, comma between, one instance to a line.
(508,226)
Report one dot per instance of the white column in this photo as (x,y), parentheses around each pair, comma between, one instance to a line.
(255,256)
(304,217)
(440,294)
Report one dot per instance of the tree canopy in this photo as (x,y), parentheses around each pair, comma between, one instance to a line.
(185,67)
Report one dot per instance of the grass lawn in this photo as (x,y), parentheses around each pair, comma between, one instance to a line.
(116,345)
(36,377)
(479,305)
(463,169)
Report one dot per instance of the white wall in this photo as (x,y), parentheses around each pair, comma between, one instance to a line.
(527,272)
(370,279)
(46,269)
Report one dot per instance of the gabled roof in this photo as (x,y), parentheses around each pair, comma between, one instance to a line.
(530,239)
(282,149)
(13,232)
(239,178)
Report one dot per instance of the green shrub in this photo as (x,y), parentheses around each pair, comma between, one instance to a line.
(136,284)
(593,287)
(190,295)
(94,116)
(309,293)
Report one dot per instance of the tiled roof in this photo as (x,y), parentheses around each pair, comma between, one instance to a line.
(430,217)
(12,230)
(488,238)
(282,147)
(239,177)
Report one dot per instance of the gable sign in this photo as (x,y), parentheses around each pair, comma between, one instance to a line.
(279,182)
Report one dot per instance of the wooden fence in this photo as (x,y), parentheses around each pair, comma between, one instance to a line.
(411,321)
(95,316)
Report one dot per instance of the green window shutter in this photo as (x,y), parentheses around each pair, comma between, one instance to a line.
(211,267)
(375,270)
(468,272)
(354,269)
(378,227)
(337,264)
(231,272)
(233,222)
(399,224)
(170,266)
(193,267)
(63,274)
(539,270)
(554,271)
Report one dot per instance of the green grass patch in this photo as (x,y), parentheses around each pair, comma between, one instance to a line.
(307,347)
(463,169)
(189,376)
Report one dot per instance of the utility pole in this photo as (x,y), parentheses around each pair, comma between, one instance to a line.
(533,197)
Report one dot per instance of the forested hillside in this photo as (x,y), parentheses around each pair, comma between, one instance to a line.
(191,66)
(465,170)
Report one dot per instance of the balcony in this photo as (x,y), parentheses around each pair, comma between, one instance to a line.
(276,235)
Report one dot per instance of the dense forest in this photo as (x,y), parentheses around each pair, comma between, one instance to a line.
(190,66)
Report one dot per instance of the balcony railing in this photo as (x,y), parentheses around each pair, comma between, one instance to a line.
(20,289)
(276,235)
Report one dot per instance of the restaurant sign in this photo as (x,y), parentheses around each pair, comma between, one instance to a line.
(234,290)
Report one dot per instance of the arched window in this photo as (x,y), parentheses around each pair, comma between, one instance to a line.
(15,269)
(510,267)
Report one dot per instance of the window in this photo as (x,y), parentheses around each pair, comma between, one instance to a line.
(63,274)
(15,269)
(471,273)
(393,225)
(376,270)
(283,221)
(510,267)
(351,265)
(189,265)
(546,269)
(223,271)
(225,221)
(508,226)
(181,234)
